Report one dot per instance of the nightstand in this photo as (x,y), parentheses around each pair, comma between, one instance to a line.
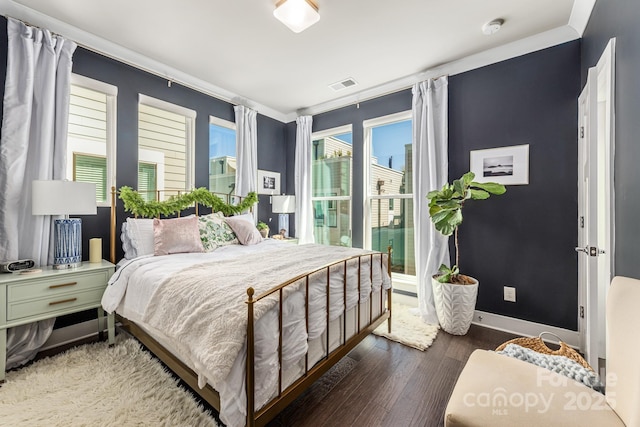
(27,298)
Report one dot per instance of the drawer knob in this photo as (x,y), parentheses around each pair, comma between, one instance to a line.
(63,301)
(63,285)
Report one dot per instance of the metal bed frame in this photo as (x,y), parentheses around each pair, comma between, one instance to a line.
(287,395)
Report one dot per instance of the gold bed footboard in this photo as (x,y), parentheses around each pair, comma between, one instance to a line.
(287,395)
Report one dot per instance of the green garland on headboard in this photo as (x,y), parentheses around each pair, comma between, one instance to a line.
(134,203)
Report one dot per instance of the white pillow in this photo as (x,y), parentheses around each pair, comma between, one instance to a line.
(140,236)
(129,251)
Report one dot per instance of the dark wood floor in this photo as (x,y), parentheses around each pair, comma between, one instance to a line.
(392,385)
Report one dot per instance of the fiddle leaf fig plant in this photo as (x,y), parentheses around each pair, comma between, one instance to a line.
(445,210)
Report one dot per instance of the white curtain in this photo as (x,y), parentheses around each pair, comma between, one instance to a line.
(247,151)
(304,207)
(430,168)
(33,147)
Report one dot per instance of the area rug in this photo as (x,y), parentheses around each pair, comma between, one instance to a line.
(94,385)
(408,329)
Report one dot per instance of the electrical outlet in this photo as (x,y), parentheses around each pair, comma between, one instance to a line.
(509,294)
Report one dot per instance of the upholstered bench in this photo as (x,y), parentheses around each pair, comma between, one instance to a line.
(496,390)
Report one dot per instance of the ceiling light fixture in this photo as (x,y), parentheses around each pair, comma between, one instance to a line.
(298,15)
(492,27)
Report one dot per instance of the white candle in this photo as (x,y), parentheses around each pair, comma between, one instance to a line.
(95,250)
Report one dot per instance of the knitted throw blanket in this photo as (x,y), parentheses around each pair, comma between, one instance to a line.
(559,364)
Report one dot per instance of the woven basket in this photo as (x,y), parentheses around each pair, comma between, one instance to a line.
(537,344)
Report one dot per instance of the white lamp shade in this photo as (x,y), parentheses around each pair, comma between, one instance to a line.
(63,198)
(298,15)
(283,204)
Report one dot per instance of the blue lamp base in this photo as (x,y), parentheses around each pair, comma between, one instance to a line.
(67,251)
(283,224)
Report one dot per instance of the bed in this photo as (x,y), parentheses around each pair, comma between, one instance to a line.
(250,327)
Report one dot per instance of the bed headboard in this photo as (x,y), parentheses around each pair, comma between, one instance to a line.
(175,205)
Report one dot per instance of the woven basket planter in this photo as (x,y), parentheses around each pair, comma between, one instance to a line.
(455,305)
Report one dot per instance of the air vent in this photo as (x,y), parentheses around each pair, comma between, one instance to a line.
(343,84)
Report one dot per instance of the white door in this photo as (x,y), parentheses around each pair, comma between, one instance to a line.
(595,204)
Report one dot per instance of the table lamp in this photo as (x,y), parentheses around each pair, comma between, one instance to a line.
(65,198)
(283,205)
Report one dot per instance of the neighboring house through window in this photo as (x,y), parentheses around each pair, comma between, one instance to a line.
(166,141)
(331,159)
(91,136)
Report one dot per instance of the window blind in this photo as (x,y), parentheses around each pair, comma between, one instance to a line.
(92,169)
(147,181)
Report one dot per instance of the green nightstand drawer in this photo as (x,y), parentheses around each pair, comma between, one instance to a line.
(53,287)
(54,303)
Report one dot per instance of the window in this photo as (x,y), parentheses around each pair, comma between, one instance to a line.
(91,135)
(148,180)
(331,186)
(222,156)
(389,198)
(165,141)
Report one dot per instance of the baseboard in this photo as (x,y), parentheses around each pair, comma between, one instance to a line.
(524,327)
(69,334)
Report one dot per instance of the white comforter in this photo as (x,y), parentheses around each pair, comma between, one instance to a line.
(197,302)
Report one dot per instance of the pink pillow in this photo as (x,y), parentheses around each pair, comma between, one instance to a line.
(176,235)
(246,231)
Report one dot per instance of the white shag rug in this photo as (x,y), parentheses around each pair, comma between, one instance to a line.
(94,385)
(408,329)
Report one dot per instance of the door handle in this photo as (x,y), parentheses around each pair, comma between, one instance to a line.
(590,250)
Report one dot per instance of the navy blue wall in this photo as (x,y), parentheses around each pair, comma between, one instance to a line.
(526,237)
(619,19)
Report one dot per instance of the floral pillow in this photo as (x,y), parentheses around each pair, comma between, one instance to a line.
(215,232)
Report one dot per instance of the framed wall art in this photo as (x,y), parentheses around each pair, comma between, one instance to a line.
(504,165)
(268,182)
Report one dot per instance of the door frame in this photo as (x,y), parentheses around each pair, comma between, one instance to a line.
(596,219)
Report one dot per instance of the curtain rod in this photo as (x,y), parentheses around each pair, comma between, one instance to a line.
(166,77)
(29,24)
(304,111)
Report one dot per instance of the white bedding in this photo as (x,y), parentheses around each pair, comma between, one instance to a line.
(135,289)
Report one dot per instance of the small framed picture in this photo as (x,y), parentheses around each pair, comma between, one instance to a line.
(504,165)
(268,182)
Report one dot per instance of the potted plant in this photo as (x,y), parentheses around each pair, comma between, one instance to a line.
(263,228)
(455,294)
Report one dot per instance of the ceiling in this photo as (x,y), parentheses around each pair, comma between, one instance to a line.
(237,50)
